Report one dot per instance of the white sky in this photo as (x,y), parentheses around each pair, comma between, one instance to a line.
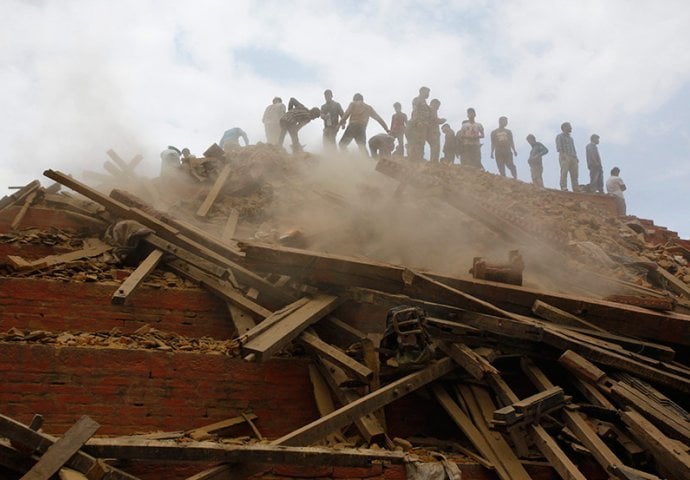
(81,76)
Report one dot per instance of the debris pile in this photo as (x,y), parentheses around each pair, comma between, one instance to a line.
(591,371)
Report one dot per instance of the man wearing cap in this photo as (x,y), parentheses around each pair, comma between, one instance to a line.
(293,120)
(596,171)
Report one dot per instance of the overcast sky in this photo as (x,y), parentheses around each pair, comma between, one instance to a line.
(81,76)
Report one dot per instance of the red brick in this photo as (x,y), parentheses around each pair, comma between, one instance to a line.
(358,472)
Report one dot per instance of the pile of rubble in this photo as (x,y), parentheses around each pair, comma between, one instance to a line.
(589,371)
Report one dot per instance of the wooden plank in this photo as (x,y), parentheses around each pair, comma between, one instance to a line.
(481,407)
(271,319)
(282,333)
(215,190)
(135,449)
(474,364)
(242,321)
(576,423)
(335,327)
(230,225)
(22,211)
(217,428)
(581,367)
(223,289)
(535,331)
(118,160)
(469,429)
(561,317)
(136,277)
(92,248)
(541,438)
(675,284)
(366,404)
(187,256)
(40,442)
(69,474)
(335,355)
(368,425)
(553,453)
(664,450)
(61,451)
(342,271)
(114,170)
(324,401)
(181,234)
(19,195)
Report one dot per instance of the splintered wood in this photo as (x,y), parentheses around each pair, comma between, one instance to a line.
(524,375)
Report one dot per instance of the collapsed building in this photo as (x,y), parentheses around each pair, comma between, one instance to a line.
(296,316)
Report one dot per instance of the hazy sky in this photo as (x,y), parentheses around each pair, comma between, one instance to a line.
(81,76)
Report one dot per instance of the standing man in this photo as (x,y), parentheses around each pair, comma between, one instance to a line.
(295,118)
(358,113)
(567,157)
(469,139)
(419,128)
(449,148)
(536,167)
(434,135)
(615,186)
(596,171)
(398,126)
(331,112)
(271,120)
(503,146)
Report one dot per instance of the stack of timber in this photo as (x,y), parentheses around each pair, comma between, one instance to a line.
(588,386)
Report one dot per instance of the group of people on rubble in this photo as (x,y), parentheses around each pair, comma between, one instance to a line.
(424,126)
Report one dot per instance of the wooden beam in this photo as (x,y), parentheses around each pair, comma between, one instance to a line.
(541,438)
(665,451)
(480,407)
(19,195)
(22,211)
(279,335)
(242,321)
(368,425)
(136,277)
(675,284)
(40,442)
(342,271)
(373,401)
(92,248)
(577,424)
(223,289)
(215,190)
(135,449)
(561,317)
(474,364)
(335,355)
(230,225)
(62,450)
(324,401)
(180,234)
(217,428)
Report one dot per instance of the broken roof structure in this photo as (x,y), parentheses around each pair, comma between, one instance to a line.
(230,324)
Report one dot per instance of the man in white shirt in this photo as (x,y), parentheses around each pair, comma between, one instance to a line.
(615,186)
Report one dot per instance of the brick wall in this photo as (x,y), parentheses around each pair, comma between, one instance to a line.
(41,304)
(130,391)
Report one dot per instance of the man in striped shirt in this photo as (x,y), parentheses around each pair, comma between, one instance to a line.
(295,118)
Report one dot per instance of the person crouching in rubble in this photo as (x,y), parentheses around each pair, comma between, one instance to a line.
(293,120)
(381,145)
(170,161)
